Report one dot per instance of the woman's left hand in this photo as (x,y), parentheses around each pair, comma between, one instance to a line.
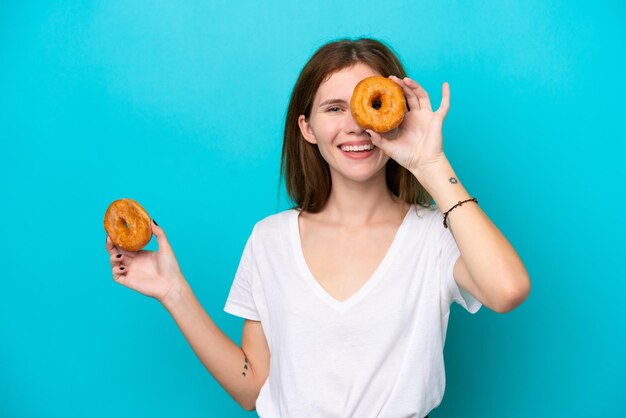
(418,142)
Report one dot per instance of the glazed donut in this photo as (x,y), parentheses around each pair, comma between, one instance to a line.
(128,225)
(378,103)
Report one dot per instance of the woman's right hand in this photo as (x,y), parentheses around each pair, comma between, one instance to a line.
(152,273)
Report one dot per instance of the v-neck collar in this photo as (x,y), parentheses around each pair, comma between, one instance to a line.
(338,305)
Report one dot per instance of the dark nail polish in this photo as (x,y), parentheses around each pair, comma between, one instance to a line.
(121,268)
(155,222)
(119,255)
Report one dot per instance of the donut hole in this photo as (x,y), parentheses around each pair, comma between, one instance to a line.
(121,223)
(377,103)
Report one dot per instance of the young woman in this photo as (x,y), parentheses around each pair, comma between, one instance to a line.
(346,296)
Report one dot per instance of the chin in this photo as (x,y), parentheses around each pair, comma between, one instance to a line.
(364,176)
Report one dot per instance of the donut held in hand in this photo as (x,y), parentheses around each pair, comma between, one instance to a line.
(378,104)
(128,225)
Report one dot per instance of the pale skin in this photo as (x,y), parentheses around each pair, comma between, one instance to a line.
(344,242)
(157,274)
(489,267)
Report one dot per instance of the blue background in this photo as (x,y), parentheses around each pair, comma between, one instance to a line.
(180,105)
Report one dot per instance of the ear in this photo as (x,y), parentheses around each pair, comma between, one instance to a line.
(306,130)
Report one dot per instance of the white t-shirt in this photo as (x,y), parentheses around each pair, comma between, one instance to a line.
(378,353)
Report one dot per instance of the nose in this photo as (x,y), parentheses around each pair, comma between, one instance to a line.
(351,127)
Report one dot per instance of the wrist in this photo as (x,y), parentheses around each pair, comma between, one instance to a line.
(441,182)
(177,295)
(430,175)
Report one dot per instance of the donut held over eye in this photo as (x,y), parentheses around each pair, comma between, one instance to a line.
(378,104)
(128,225)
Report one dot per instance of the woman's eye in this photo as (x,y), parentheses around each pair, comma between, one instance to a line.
(334,109)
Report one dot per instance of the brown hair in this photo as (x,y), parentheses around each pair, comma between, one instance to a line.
(307,174)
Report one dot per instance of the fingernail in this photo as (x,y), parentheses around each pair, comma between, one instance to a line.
(119,255)
(121,268)
(155,222)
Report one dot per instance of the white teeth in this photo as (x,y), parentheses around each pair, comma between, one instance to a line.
(356,147)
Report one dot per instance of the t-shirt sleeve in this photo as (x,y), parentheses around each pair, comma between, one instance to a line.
(240,301)
(448,256)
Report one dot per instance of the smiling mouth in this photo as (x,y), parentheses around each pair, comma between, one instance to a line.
(356,148)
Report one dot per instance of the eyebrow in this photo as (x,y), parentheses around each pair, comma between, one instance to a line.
(333,101)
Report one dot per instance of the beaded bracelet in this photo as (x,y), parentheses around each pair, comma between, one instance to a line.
(445,215)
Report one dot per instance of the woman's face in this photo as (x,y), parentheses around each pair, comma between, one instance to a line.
(331,125)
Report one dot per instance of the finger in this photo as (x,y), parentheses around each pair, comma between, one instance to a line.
(110,247)
(392,134)
(113,250)
(445,100)
(412,99)
(422,95)
(119,273)
(372,134)
(162,240)
(117,259)
(379,141)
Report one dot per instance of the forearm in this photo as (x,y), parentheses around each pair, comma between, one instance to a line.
(224,360)
(493,263)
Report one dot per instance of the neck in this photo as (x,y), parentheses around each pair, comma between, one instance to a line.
(353,203)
